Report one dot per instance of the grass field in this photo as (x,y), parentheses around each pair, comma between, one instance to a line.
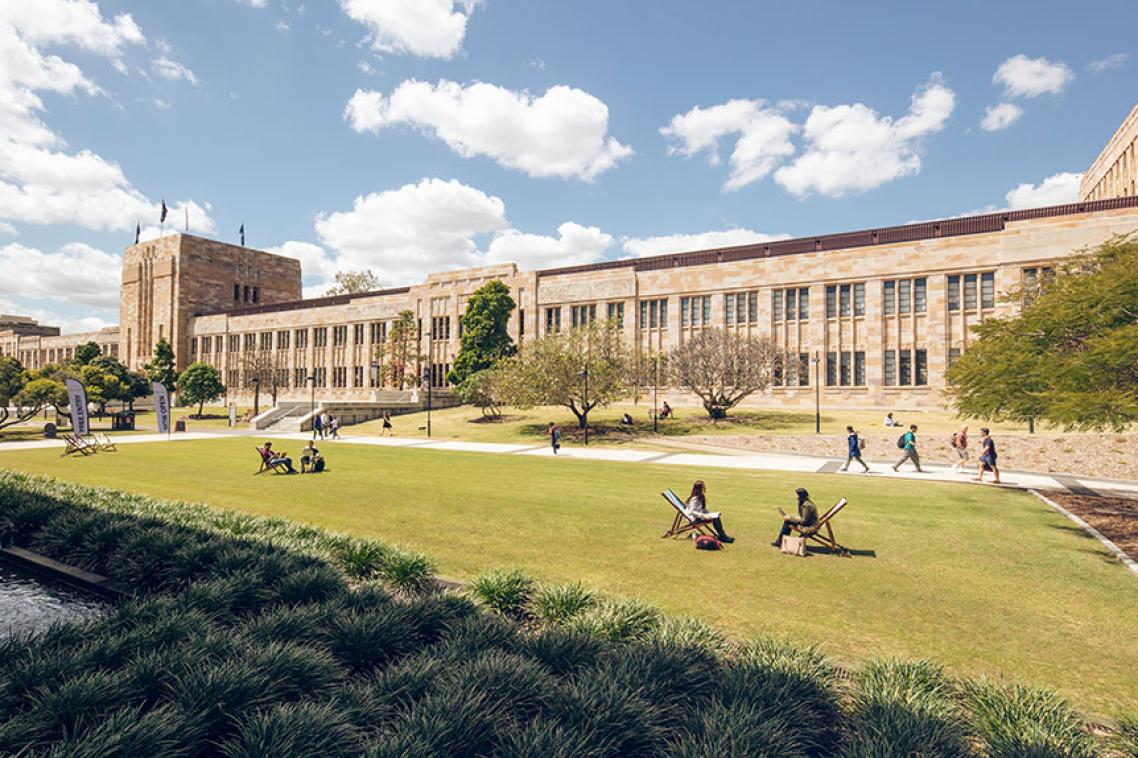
(984,581)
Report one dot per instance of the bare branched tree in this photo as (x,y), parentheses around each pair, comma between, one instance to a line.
(722,368)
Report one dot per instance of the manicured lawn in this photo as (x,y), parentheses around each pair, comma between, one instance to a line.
(981,580)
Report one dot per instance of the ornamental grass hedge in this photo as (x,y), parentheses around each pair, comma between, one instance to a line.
(260,637)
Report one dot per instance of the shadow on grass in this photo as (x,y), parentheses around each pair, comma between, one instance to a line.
(742,421)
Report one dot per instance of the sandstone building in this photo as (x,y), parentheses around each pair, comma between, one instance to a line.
(873,317)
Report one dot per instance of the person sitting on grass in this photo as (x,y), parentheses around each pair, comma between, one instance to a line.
(626,420)
(275,457)
(697,507)
(666,411)
(807,516)
(311,461)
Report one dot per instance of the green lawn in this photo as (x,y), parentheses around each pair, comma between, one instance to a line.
(982,580)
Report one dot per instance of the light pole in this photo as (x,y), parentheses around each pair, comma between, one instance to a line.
(585,401)
(256,396)
(427,379)
(655,388)
(312,408)
(817,395)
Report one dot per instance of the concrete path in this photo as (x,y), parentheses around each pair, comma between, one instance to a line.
(740,460)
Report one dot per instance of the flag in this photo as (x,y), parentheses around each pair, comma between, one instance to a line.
(77,404)
(162,218)
(161,406)
(242,230)
(137,232)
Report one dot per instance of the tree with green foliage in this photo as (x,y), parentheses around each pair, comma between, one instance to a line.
(87,352)
(161,366)
(25,393)
(353,282)
(722,367)
(485,339)
(552,370)
(200,383)
(483,390)
(1069,355)
(102,386)
(12,380)
(402,353)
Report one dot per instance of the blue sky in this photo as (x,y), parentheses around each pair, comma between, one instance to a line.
(408,136)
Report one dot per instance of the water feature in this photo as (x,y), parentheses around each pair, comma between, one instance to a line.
(30,603)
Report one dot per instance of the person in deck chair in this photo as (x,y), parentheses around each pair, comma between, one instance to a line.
(697,506)
(807,516)
(278,457)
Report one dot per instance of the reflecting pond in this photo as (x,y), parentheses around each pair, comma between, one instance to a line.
(29,603)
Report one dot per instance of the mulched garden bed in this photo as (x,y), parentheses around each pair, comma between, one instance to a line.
(1115,517)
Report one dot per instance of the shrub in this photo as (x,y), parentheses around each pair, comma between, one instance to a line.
(687,632)
(564,651)
(363,641)
(1126,735)
(513,686)
(904,708)
(543,738)
(297,730)
(309,585)
(506,592)
(669,676)
(408,573)
(360,559)
(610,717)
(556,604)
(59,712)
(295,670)
(216,694)
(723,730)
(473,634)
(163,732)
(618,620)
(433,615)
(294,623)
(1017,720)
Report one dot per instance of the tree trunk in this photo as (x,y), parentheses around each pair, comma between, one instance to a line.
(201,406)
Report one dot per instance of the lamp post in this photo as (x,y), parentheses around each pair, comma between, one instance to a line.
(312,408)
(817,394)
(585,401)
(427,378)
(655,390)
(256,396)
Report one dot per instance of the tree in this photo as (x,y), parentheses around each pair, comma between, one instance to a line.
(200,383)
(722,368)
(403,341)
(102,386)
(485,339)
(268,368)
(483,390)
(12,380)
(25,393)
(87,352)
(551,370)
(1069,355)
(161,366)
(352,282)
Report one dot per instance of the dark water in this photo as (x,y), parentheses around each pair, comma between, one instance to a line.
(29,603)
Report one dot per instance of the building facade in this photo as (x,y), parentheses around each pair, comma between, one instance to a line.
(36,345)
(1115,172)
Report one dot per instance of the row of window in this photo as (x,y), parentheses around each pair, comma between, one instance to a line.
(846,368)
(962,290)
(695,311)
(797,300)
(251,294)
(844,299)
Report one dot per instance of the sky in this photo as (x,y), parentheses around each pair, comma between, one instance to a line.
(412,136)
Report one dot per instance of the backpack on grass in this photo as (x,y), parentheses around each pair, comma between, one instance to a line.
(707,542)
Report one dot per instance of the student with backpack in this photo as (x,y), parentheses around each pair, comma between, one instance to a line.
(908,443)
(960,445)
(854,446)
(554,437)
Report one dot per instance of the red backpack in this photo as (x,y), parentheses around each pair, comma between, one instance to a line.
(707,542)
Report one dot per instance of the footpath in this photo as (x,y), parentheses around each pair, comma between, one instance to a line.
(714,458)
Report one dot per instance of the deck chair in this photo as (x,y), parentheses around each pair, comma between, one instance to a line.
(684,522)
(815,532)
(268,465)
(76,444)
(104,443)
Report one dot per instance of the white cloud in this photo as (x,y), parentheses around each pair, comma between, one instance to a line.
(282,27)
(366,68)
(427,28)
(76,273)
(6,228)
(172,70)
(764,137)
(254,3)
(315,262)
(638,247)
(850,148)
(1057,189)
(997,117)
(1109,63)
(70,22)
(1031,77)
(575,244)
(160,104)
(176,216)
(402,234)
(561,133)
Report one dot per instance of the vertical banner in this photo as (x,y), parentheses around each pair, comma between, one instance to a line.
(161,406)
(77,404)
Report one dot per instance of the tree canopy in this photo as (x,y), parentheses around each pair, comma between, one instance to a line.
(200,383)
(550,370)
(1068,356)
(722,368)
(353,282)
(485,339)
(402,352)
(87,352)
(26,393)
(161,366)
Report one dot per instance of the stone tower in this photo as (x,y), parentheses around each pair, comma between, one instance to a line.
(168,280)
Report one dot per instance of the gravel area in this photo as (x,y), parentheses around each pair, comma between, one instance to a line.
(1115,517)
(1111,456)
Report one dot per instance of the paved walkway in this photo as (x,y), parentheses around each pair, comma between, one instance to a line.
(728,460)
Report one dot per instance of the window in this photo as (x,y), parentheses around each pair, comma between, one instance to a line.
(266,340)
(954,292)
(320,377)
(969,292)
(250,343)
(358,335)
(804,369)
(377,332)
(905,359)
(776,370)
(256,294)
(206,342)
(797,304)
(552,320)
(859,368)
(654,314)
(752,307)
(776,304)
(282,340)
(193,346)
(282,378)
(521,322)
(922,360)
(889,297)
(217,342)
(859,299)
(844,293)
(583,314)
(790,298)
(237,293)
(831,301)
(695,311)
(920,295)
(707,309)
(245,292)
(844,368)
(988,289)
(320,338)
(616,313)
(729,308)
(889,366)
(831,369)
(904,295)
(339,336)
(301,336)
(299,376)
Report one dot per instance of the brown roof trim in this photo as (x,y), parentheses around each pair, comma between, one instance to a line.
(949,227)
(296,305)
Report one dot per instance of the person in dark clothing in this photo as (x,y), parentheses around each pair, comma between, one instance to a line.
(909,446)
(697,506)
(807,516)
(987,457)
(853,451)
(554,437)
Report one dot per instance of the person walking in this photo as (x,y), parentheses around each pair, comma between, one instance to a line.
(854,444)
(987,457)
(386,423)
(908,443)
(325,423)
(554,437)
(317,426)
(960,445)
(334,425)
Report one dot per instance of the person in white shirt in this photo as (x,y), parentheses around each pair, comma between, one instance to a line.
(697,507)
(890,421)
